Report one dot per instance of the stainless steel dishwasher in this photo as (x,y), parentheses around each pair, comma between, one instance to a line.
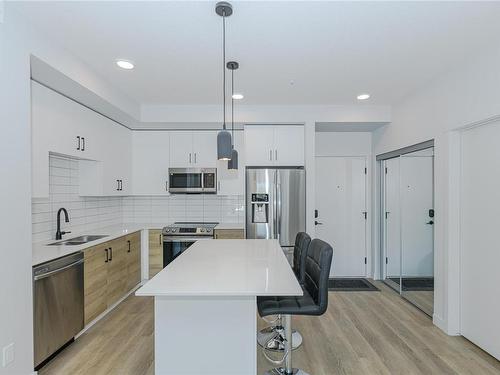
(58,305)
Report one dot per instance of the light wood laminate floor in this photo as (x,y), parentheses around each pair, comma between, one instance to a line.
(361,333)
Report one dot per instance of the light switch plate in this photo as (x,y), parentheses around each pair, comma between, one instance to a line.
(8,354)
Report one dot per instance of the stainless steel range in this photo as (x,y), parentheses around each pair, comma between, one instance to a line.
(179,236)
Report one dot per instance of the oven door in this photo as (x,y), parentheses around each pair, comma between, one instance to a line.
(174,246)
(185,181)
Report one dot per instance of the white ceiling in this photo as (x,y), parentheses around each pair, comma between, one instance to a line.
(331,50)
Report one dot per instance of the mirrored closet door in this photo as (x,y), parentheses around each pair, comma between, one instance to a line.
(408,226)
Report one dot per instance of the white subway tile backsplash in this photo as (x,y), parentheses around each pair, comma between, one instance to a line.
(89,213)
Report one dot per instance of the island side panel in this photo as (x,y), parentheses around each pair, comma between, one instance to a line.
(205,335)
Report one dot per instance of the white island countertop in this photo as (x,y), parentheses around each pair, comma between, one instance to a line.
(226,268)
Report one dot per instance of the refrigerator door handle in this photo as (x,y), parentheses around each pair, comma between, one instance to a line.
(278,210)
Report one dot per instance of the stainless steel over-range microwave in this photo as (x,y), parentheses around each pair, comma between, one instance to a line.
(192,180)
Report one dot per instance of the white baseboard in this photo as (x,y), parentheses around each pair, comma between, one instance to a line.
(443,325)
(103,314)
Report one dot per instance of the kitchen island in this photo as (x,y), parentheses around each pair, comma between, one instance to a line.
(205,305)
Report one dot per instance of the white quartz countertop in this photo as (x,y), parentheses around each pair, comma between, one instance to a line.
(42,252)
(230,226)
(226,268)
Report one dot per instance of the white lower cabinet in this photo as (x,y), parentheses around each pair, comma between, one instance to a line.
(232,182)
(150,162)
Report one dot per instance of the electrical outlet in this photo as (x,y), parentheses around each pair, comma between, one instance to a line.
(8,354)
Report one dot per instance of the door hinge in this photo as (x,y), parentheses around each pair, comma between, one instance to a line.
(386,260)
(365,260)
(365,214)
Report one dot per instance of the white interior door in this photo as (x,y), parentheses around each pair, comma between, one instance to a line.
(480,251)
(341,205)
(392,219)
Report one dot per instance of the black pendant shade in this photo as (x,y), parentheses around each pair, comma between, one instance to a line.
(224,146)
(224,139)
(233,163)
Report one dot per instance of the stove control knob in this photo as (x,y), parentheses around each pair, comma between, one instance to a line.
(202,230)
(167,230)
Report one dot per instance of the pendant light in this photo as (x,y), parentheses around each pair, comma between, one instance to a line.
(224,141)
(233,163)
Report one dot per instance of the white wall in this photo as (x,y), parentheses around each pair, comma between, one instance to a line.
(343,144)
(465,95)
(17,42)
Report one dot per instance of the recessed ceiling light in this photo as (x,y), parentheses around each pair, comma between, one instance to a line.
(363,96)
(238,96)
(125,64)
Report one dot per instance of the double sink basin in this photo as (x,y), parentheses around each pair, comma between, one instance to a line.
(80,240)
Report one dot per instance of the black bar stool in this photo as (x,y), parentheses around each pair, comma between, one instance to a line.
(313,302)
(273,337)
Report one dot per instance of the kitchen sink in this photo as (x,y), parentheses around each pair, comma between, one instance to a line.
(80,240)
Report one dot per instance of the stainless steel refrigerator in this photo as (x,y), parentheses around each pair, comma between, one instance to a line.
(275,204)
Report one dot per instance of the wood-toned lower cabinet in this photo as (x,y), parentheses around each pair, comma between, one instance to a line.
(117,271)
(155,252)
(111,269)
(228,234)
(133,243)
(95,280)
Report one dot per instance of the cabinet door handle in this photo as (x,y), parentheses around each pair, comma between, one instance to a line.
(128,241)
(189,158)
(121,185)
(218,185)
(107,257)
(83,143)
(159,239)
(270,155)
(195,157)
(110,254)
(78,144)
(276,154)
(117,185)
(166,185)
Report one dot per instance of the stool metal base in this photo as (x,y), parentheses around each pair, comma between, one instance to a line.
(281,371)
(277,344)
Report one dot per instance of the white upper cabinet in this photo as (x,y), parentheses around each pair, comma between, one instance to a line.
(193,149)
(181,149)
(274,145)
(289,145)
(259,145)
(232,182)
(62,126)
(205,149)
(150,162)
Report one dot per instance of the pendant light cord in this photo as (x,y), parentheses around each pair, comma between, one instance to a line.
(232,108)
(224,69)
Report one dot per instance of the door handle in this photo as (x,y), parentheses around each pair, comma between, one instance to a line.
(110,254)
(117,185)
(189,158)
(317,222)
(166,185)
(316,214)
(195,157)
(83,143)
(128,241)
(430,222)
(107,256)
(270,155)
(276,154)
(78,144)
